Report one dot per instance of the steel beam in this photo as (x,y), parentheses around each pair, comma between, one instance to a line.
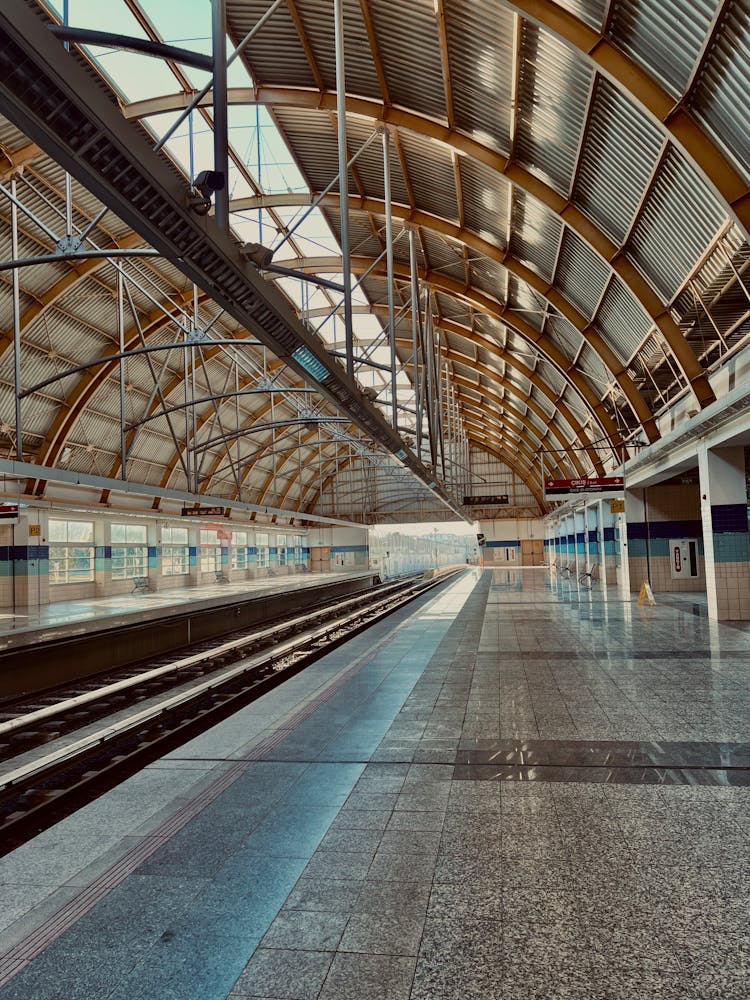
(47,94)
(692,371)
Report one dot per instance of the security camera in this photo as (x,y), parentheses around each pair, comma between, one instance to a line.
(257,254)
(204,186)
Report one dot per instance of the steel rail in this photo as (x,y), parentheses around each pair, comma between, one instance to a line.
(34,779)
(204,656)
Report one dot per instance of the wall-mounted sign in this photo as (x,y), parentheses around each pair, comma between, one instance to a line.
(556,488)
(203,512)
(35,530)
(617,506)
(492,500)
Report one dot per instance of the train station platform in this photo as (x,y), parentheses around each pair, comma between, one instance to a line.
(85,636)
(65,618)
(502,792)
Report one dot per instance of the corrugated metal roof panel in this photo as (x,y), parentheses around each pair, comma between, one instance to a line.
(663,36)
(720,97)
(591,365)
(362,240)
(453,309)
(551,376)
(619,153)
(312,136)
(543,402)
(410,53)
(480,46)
(11,138)
(279,35)
(486,200)
(622,320)
(369,166)
(590,11)
(444,256)
(433,181)
(488,276)
(581,274)
(318,24)
(491,328)
(536,234)
(552,100)
(678,222)
(526,302)
(520,381)
(564,335)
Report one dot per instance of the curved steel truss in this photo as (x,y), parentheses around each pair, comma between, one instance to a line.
(545,223)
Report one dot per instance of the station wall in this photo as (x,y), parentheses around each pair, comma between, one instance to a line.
(658,516)
(54,555)
(513,541)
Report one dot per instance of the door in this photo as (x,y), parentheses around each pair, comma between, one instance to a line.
(320,559)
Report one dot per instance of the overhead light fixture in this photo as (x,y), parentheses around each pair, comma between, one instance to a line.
(305,357)
(205,184)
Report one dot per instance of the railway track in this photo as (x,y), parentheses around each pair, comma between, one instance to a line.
(62,749)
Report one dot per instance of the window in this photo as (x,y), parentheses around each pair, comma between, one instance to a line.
(299,554)
(210,552)
(71,551)
(281,549)
(261,550)
(175,554)
(129,551)
(239,550)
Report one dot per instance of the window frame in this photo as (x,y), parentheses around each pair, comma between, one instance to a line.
(68,551)
(133,560)
(175,555)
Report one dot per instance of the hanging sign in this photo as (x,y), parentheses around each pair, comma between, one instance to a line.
(493,500)
(9,513)
(556,488)
(203,512)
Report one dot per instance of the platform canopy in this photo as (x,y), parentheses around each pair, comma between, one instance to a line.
(550,272)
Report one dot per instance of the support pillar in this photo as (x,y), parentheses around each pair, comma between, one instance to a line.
(726,540)
(635,545)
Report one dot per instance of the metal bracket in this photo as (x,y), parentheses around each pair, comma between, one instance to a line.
(68,244)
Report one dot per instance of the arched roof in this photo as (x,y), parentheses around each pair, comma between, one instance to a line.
(575,177)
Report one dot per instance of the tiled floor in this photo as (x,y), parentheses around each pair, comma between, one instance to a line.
(514,792)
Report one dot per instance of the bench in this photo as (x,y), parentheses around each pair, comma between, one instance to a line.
(587,579)
(221,577)
(142,585)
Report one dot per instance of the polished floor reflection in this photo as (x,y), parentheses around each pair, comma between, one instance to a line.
(511,791)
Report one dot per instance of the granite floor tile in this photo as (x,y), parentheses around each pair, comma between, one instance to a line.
(291,975)
(402,868)
(324,895)
(376,977)
(338,864)
(410,842)
(370,801)
(454,900)
(458,868)
(539,905)
(389,933)
(306,930)
(428,821)
(379,896)
(361,819)
(351,840)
